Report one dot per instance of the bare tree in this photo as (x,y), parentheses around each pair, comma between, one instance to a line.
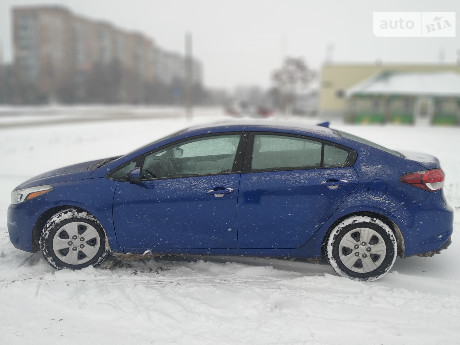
(292,78)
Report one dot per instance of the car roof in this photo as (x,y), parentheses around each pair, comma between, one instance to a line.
(261,126)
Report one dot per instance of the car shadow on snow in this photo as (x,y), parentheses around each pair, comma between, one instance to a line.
(157,264)
(434,267)
(149,263)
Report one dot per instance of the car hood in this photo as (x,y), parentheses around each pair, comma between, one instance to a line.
(425,160)
(73,172)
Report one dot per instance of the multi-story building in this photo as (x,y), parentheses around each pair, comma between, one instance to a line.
(42,47)
(170,66)
(65,57)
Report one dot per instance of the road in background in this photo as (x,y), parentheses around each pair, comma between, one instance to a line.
(46,116)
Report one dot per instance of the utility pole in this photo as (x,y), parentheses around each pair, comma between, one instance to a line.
(3,81)
(188,76)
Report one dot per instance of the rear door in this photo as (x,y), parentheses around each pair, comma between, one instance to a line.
(292,185)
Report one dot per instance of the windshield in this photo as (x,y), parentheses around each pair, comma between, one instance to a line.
(172,135)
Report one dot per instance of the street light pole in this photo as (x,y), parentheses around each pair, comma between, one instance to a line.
(3,81)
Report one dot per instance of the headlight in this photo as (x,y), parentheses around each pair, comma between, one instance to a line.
(21,195)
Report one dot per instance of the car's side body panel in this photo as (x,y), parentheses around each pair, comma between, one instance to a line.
(284,213)
(425,227)
(424,218)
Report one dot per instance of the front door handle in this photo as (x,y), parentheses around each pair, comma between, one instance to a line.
(334,183)
(219,192)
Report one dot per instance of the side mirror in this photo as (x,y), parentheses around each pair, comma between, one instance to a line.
(134,176)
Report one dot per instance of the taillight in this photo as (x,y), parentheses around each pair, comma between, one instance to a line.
(430,180)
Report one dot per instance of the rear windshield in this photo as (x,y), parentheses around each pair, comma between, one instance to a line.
(367,142)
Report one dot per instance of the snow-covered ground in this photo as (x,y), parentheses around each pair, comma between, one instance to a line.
(216,300)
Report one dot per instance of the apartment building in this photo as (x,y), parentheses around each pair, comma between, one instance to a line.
(61,56)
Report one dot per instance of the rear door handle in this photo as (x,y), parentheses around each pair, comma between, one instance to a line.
(219,192)
(334,183)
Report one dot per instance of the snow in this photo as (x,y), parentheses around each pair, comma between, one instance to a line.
(216,300)
(441,84)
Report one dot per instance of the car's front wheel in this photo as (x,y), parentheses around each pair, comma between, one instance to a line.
(73,239)
(362,248)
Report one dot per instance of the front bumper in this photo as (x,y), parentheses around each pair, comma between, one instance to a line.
(21,221)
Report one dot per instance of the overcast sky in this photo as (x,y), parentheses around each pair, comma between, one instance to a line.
(241,41)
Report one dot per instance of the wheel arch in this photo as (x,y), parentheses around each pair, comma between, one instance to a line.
(45,216)
(392,225)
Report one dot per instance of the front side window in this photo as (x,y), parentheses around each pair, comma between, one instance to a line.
(196,157)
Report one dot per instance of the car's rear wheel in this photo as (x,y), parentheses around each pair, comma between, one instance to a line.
(73,239)
(362,248)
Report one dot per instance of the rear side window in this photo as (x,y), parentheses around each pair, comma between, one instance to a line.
(282,152)
(334,156)
(272,152)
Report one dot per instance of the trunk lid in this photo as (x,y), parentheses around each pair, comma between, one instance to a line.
(425,160)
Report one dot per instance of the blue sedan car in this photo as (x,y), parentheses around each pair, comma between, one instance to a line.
(240,189)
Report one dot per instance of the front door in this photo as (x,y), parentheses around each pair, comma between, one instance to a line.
(187,198)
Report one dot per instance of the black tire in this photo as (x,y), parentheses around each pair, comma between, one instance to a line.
(73,239)
(362,248)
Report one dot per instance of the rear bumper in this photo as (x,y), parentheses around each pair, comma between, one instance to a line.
(446,244)
(426,227)
(434,252)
